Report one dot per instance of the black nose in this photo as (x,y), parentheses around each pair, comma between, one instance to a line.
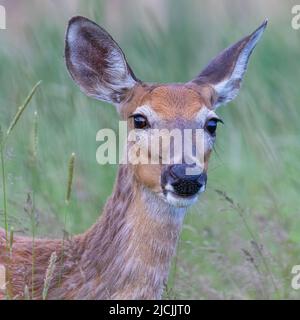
(184,180)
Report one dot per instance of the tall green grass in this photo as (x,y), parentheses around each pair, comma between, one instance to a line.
(256,163)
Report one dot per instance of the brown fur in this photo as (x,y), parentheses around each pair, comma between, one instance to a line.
(96,263)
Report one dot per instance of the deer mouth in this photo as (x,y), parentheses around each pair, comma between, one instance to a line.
(180,187)
(182,199)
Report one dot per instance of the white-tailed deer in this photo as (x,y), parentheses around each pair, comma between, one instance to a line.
(127,253)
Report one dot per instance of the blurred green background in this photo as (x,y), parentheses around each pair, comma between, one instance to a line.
(238,243)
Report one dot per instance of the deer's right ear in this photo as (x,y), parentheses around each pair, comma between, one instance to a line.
(96,62)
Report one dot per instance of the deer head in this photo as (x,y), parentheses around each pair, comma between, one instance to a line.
(99,67)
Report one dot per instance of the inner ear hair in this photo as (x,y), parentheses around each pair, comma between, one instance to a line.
(225,72)
(96,62)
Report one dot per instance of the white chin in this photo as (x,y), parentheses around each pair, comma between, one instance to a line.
(181,202)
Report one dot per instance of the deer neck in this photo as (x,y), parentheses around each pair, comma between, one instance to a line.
(131,247)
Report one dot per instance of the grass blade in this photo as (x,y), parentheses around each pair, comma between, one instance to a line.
(21,109)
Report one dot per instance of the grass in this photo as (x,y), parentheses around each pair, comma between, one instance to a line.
(238,242)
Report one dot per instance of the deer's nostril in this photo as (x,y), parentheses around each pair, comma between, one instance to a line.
(186,187)
(183,184)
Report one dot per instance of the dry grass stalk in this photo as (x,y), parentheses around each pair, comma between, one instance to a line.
(70,177)
(49,274)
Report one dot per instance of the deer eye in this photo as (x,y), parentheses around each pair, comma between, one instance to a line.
(140,122)
(211,125)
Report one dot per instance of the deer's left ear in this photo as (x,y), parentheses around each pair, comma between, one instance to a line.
(225,72)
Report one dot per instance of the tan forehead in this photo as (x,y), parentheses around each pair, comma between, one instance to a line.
(174,101)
